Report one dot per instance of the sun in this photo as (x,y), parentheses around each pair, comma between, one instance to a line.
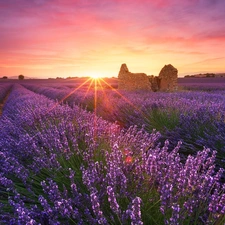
(95,75)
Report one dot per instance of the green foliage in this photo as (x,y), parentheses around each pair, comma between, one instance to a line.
(161,119)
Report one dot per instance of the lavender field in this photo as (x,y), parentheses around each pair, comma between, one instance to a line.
(83,152)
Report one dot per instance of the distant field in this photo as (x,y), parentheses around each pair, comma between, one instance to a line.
(188,83)
(201,80)
(202,83)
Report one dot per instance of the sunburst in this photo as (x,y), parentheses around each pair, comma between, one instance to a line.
(95,84)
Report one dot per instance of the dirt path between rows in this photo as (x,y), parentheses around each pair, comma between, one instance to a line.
(4,101)
(1,106)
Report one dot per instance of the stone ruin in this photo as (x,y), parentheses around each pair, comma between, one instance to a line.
(132,81)
(168,78)
(166,81)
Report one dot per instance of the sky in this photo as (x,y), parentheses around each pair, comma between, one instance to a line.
(73,38)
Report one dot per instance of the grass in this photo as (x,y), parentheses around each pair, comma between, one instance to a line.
(162,120)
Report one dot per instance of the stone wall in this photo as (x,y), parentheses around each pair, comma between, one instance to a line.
(155,82)
(166,81)
(168,78)
(132,81)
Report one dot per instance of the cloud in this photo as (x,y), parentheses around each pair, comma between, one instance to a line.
(208,60)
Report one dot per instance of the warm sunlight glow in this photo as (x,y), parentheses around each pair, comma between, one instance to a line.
(100,37)
(95,75)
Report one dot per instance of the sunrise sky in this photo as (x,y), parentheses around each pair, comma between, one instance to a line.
(62,38)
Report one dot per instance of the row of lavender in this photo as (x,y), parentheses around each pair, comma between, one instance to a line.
(63,165)
(4,89)
(204,84)
(196,118)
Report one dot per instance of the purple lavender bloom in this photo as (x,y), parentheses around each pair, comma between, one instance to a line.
(135,213)
(174,220)
(96,209)
(112,200)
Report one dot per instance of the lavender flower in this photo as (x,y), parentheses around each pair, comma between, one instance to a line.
(136,212)
(96,208)
(112,200)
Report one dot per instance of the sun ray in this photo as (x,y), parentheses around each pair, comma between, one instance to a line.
(63,99)
(127,100)
(105,95)
(88,89)
(97,83)
(95,106)
(59,102)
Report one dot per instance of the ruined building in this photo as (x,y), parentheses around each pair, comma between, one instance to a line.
(132,81)
(168,78)
(166,81)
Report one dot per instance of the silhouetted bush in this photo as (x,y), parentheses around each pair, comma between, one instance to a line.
(21,77)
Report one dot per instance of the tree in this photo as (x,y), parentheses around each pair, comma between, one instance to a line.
(21,77)
(5,77)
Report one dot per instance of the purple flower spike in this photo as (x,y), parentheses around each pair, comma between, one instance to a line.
(96,209)
(136,212)
(112,200)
